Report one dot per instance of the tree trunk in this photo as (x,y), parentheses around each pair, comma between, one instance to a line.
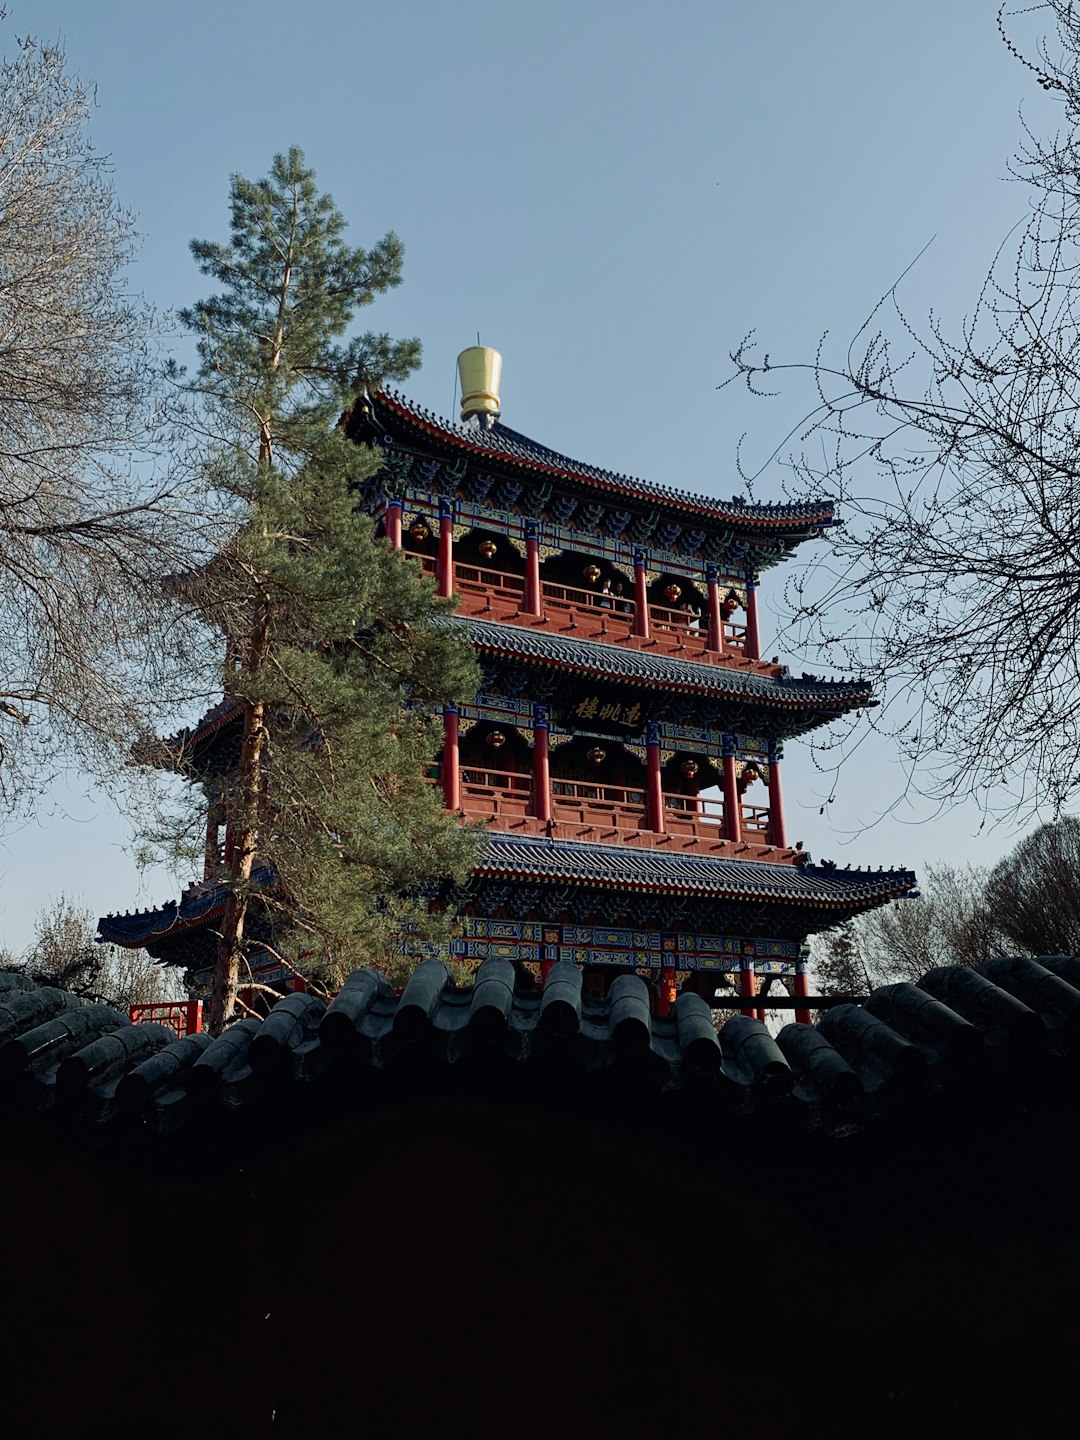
(246,804)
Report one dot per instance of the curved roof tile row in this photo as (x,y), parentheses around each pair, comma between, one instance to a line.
(502,443)
(578,862)
(628,868)
(594,657)
(198,904)
(903,1047)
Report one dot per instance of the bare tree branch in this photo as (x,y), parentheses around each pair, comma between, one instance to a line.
(954,459)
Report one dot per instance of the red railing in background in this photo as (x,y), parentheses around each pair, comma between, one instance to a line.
(495,794)
(427,563)
(183,1016)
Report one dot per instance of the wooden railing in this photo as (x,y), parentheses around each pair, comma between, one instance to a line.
(589,611)
(495,794)
(184,1017)
(683,631)
(734,638)
(496,589)
(755,822)
(586,803)
(698,808)
(703,816)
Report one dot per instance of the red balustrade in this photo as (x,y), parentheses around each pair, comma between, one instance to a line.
(755,823)
(589,614)
(487,592)
(496,795)
(182,1016)
(582,802)
(734,638)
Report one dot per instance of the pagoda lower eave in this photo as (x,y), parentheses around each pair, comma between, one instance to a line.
(525,875)
(709,904)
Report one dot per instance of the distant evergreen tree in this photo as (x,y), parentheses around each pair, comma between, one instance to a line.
(840,964)
(333,659)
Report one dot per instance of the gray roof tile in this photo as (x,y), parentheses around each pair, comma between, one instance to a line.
(629,868)
(593,657)
(503,443)
(899,1050)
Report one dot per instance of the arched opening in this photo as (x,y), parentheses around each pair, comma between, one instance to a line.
(496,772)
(598,783)
(587,594)
(489,573)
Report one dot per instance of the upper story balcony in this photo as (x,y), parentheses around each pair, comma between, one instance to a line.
(671,616)
(615,815)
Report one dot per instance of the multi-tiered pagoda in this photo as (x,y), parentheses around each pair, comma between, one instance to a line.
(625,748)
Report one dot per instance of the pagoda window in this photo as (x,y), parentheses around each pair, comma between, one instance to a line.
(489,574)
(496,773)
(420,539)
(587,595)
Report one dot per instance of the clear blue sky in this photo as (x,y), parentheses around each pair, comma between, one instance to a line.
(611,192)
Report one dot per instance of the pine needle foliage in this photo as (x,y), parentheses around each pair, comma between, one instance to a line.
(333,660)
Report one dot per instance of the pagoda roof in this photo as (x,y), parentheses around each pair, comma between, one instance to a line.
(599,660)
(821,699)
(578,862)
(198,905)
(405,422)
(624,867)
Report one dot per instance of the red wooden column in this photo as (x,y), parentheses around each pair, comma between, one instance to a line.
(748,982)
(230,827)
(777,828)
(802,989)
(394,509)
(641,596)
(532,570)
(446,549)
(215,818)
(451,759)
(654,794)
(541,764)
(732,803)
(716,623)
(667,996)
(753,628)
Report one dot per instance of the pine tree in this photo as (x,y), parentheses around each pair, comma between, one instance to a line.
(840,963)
(334,663)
